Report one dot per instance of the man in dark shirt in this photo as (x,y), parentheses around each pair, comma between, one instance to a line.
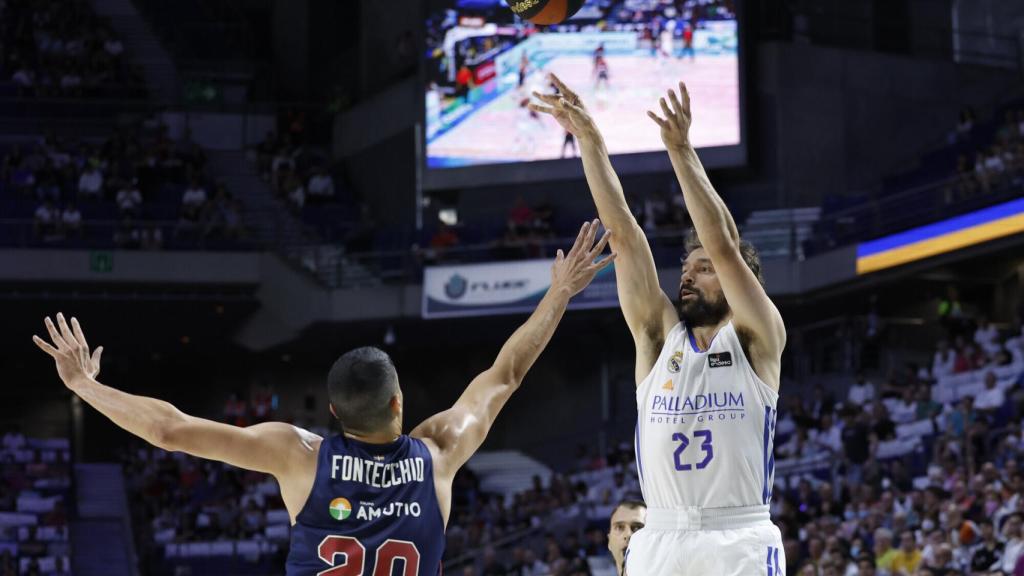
(989,551)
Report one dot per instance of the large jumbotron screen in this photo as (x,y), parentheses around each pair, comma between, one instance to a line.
(482,64)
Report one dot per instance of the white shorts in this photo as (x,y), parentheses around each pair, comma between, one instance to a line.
(720,541)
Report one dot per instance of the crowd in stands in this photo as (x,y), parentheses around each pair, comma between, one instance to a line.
(62,49)
(186,510)
(34,502)
(980,163)
(293,173)
(918,473)
(995,163)
(915,477)
(302,177)
(138,189)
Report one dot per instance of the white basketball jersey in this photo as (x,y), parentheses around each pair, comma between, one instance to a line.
(706,426)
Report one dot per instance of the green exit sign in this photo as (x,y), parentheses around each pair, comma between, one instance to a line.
(101,262)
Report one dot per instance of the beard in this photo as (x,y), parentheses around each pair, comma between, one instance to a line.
(700,311)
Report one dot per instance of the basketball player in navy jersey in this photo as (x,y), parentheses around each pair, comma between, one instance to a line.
(707,372)
(371,499)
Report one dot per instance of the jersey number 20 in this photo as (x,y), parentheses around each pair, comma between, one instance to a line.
(709,452)
(354,562)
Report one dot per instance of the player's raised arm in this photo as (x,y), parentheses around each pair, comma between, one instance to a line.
(753,312)
(648,311)
(460,430)
(273,447)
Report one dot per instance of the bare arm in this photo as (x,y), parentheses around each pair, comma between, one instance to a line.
(754,314)
(273,447)
(460,430)
(648,311)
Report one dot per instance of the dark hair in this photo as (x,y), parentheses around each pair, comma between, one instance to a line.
(747,252)
(629,505)
(360,386)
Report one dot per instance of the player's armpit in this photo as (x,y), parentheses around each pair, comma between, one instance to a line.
(271,447)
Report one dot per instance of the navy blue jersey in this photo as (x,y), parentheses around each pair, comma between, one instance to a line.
(373,511)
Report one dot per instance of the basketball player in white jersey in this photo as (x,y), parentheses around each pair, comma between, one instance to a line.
(707,372)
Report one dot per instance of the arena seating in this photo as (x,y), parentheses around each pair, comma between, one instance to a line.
(61,49)
(35,498)
(39,181)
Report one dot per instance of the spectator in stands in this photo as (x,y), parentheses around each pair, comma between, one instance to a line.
(950,311)
(981,171)
(944,360)
(321,185)
(964,360)
(862,391)
(129,199)
(942,564)
(90,183)
(987,336)
(966,180)
(283,162)
(25,79)
(882,426)
(925,407)
(193,201)
(965,125)
(990,400)
(44,222)
(908,557)
(1013,544)
(987,553)
(829,436)
(295,192)
(520,216)
(443,240)
(492,566)
(995,163)
(855,448)
(71,220)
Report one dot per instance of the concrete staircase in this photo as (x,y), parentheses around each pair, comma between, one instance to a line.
(507,472)
(142,45)
(101,536)
(268,219)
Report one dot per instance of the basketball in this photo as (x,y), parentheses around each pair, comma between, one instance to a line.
(545,12)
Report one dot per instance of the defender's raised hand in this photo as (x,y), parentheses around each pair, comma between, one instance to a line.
(675,126)
(567,108)
(70,350)
(577,269)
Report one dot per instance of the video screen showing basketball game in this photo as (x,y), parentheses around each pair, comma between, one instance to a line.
(620,56)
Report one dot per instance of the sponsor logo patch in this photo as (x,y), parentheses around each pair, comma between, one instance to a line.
(720,359)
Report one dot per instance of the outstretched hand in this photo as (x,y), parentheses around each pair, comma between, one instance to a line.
(576,270)
(675,126)
(70,350)
(567,109)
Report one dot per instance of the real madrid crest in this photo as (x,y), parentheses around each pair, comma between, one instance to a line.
(674,362)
